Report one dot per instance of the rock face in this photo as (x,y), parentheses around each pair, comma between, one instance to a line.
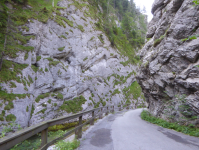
(169,75)
(69,69)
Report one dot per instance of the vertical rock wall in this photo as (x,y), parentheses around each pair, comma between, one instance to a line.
(169,75)
(71,69)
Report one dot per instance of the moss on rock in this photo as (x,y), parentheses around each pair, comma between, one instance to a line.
(74,105)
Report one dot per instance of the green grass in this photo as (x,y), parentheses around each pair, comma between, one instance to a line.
(62,36)
(34,68)
(71,30)
(60,20)
(78,5)
(115,92)
(60,96)
(32,110)
(85,59)
(10,96)
(83,19)
(74,105)
(134,90)
(190,130)
(11,70)
(157,41)
(12,85)
(92,94)
(92,38)
(30,79)
(61,48)
(27,109)
(81,28)
(38,58)
(42,111)
(100,37)
(62,145)
(52,62)
(34,142)
(10,117)
(18,16)
(26,56)
(42,96)
(49,101)
(25,28)
(9,106)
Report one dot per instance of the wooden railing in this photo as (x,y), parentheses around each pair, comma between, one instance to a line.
(19,136)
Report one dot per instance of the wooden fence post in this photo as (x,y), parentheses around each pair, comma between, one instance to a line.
(80,129)
(120,108)
(107,111)
(100,116)
(92,121)
(44,137)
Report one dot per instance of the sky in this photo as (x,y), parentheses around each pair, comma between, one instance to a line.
(148,5)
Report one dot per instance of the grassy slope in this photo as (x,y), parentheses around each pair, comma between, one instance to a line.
(190,130)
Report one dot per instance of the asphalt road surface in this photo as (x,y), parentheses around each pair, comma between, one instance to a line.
(125,130)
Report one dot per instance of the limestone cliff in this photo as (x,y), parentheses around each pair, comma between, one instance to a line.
(71,67)
(169,75)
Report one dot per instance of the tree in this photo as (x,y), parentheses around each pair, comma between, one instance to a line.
(144,10)
(3,30)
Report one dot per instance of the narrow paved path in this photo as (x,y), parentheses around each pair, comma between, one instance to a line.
(127,131)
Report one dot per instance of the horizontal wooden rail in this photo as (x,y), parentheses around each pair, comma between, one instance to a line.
(19,136)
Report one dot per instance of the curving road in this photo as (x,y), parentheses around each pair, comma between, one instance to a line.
(127,131)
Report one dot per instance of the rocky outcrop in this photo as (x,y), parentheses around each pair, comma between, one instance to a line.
(71,67)
(169,75)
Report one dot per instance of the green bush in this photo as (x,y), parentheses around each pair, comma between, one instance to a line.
(60,96)
(9,106)
(62,145)
(74,105)
(10,117)
(42,96)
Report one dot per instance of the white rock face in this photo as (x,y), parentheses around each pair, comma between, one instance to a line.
(69,62)
(170,64)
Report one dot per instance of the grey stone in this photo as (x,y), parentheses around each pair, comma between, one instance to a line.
(171,68)
(81,68)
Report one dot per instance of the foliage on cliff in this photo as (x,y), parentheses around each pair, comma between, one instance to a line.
(126,36)
(130,31)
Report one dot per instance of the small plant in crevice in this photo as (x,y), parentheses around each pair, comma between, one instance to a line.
(61,48)
(158,41)
(190,38)
(85,59)
(81,28)
(62,36)
(100,37)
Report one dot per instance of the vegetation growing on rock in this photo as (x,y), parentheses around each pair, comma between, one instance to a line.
(74,105)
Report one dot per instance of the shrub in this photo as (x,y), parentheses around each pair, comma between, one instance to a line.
(10,117)
(74,105)
(62,145)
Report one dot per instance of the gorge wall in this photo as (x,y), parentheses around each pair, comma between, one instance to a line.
(169,75)
(62,66)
